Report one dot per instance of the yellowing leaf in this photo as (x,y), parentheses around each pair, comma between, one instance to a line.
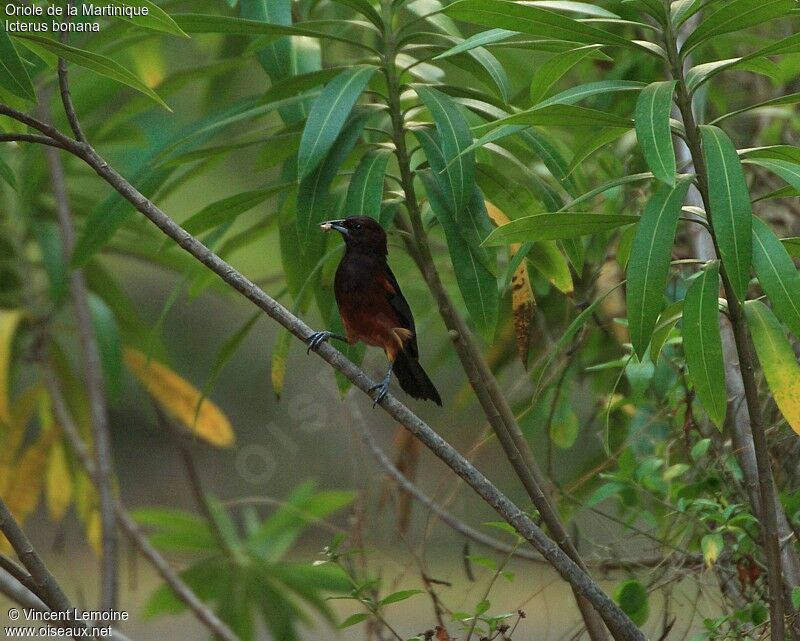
(94,532)
(280,355)
(777,360)
(523,302)
(180,398)
(59,483)
(712,545)
(25,487)
(12,434)
(9,320)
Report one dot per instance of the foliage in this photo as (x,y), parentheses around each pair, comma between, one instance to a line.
(533,146)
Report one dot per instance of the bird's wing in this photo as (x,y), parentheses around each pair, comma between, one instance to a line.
(400,305)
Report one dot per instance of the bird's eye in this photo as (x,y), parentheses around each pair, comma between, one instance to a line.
(358,226)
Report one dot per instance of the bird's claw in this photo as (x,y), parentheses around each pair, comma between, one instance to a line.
(382,388)
(316,339)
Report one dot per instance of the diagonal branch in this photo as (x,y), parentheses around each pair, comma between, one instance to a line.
(583,585)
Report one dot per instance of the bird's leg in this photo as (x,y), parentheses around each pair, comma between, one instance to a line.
(383,386)
(317,338)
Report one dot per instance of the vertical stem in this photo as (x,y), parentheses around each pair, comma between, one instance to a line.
(95,388)
(768,520)
(494,404)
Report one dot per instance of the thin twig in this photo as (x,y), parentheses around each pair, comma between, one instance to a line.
(34,138)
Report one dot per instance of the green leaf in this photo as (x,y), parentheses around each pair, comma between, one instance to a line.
(789,99)
(777,274)
(94,62)
(558,115)
(228,209)
(602,87)
(198,23)
(365,193)
(556,226)
(365,9)
(314,200)
(777,359)
(477,284)
(328,116)
(702,345)
(354,619)
(700,449)
(666,322)
(648,265)
(733,16)
(731,210)
(711,545)
(176,530)
(110,346)
(532,20)
(13,75)
(796,597)
(396,597)
(565,424)
(555,68)
(788,171)
(633,600)
(156,18)
(480,39)
(651,117)
(276,57)
(455,138)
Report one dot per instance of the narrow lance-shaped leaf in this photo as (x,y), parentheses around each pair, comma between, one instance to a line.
(653,131)
(648,266)
(156,18)
(551,71)
(735,15)
(532,20)
(556,226)
(777,359)
(94,62)
(784,169)
(365,193)
(731,210)
(328,116)
(777,274)
(455,138)
(314,198)
(702,344)
(13,75)
(523,302)
(179,397)
(477,284)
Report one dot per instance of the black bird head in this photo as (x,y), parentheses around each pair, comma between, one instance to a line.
(360,233)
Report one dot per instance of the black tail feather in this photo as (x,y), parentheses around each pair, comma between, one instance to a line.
(413,379)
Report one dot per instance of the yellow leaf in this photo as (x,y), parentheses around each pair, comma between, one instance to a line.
(25,487)
(279,359)
(12,434)
(94,532)
(523,302)
(180,398)
(777,360)
(59,483)
(9,320)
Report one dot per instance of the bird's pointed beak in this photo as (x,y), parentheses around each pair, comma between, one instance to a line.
(338,225)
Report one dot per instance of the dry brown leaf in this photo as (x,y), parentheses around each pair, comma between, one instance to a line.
(180,398)
(523,302)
